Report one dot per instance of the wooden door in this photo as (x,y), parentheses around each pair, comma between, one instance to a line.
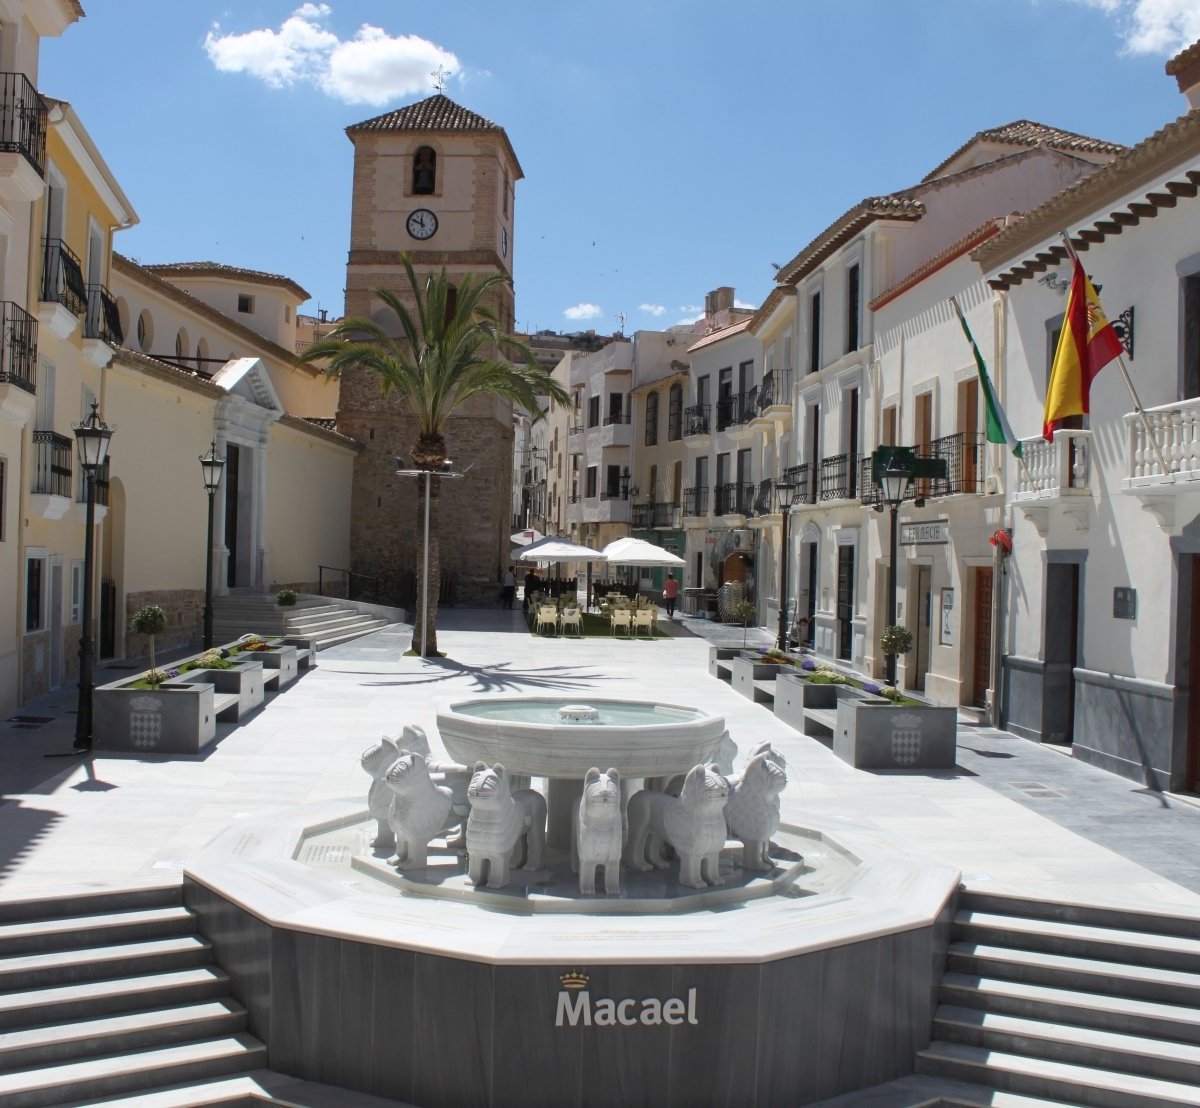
(968,427)
(845,602)
(982,645)
(922,625)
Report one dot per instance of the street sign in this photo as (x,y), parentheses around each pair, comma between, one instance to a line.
(934,532)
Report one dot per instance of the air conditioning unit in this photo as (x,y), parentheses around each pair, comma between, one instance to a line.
(743,539)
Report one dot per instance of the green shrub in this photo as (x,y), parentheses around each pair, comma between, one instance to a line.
(896,639)
(286,597)
(150,620)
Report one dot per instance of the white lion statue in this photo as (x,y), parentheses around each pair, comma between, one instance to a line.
(753,809)
(693,823)
(598,832)
(377,760)
(500,819)
(421,810)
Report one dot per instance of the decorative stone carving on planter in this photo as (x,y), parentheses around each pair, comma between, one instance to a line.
(599,834)
(693,823)
(752,812)
(420,810)
(500,820)
(876,734)
(376,761)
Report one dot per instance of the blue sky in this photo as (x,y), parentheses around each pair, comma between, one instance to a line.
(669,146)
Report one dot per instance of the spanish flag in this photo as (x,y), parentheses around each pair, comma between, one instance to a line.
(1086,345)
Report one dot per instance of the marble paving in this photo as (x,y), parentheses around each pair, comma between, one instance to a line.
(1013,816)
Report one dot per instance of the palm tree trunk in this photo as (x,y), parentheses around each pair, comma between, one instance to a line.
(435,575)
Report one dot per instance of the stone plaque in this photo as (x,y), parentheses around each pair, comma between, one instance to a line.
(934,532)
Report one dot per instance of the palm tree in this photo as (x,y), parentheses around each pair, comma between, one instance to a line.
(449,349)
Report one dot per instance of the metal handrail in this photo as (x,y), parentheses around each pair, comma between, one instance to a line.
(103,320)
(351,577)
(23,116)
(18,346)
(51,463)
(696,419)
(62,277)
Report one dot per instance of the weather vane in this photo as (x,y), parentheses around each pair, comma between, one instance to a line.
(439,76)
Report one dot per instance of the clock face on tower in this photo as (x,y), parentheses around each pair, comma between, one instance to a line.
(422,224)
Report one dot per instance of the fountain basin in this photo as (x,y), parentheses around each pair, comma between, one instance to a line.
(527,735)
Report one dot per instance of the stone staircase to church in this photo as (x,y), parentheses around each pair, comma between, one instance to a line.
(1071,1005)
(312,617)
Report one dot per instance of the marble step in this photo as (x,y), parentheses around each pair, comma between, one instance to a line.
(1043,1077)
(1120,919)
(34,971)
(1085,1046)
(92,999)
(258,1087)
(356,632)
(73,1082)
(1061,937)
(67,932)
(1112,1013)
(924,1091)
(1070,972)
(80,901)
(132,1031)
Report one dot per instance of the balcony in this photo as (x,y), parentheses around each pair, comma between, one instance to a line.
(652,515)
(18,360)
(615,430)
(1054,479)
(734,413)
(64,297)
(734,499)
(802,476)
(774,399)
(695,501)
(1166,480)
(838,478)
(575,439)
(51,489)
(764,499)
(102,330)
(697,422)
(102,481)
(23,116)
(614,494)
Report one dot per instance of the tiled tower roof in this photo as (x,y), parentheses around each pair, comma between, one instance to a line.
(1025,132)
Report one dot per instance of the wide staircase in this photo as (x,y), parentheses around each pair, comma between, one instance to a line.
(112,993)
(1071,1005)
(312,617)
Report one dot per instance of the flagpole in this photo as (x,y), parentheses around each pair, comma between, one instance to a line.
(1137,404)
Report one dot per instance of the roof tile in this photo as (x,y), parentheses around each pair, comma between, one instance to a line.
(1025,132)
(437,113)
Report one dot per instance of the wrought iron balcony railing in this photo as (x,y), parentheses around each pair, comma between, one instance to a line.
(734,410)
(62,277)
(23,116)
(51,464)
(964,455)
(101,487)
(776,388)
(103,320)
(18,346)
(696,419)
(838,478)
(575,429)
(614,418)
(765,500)
(734,498)
(803,477)
(695,501)
(574,498)
(869,493)
(614,494)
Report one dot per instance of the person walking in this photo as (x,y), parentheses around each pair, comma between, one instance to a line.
(670,594)
(509,591)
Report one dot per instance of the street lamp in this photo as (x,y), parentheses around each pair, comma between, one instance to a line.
(212,465)
(447,470)
(895,479)
(627,489)
(92,439)
(785,490)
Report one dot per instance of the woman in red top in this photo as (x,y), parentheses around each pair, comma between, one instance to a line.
(670,592)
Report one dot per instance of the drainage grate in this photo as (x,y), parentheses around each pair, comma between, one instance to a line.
(1037,791)
(324,855)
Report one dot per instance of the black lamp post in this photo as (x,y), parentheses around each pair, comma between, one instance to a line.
(212,465)
(785,490)
(92,439)
(895,479)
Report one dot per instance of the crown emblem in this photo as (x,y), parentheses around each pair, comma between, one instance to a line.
(574,980)
(906,720)
(146,704)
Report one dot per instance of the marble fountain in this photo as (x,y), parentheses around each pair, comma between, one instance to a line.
(580,903)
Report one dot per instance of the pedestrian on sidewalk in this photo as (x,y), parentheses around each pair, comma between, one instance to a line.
(509,592)
(670,594)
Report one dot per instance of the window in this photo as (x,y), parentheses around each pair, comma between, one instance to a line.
(504,199)
(424,171)
(814,332)
(145,331)
(616,404)
(245,303)
(1191,336)
(287,313)
(181,346)
(653,484)
(675,414)
(852,308)
(702,390)
(612,481)
(888,433)
(590,486)
(451,302)
(76,592)
(35,576)
(593,411)
(652,419)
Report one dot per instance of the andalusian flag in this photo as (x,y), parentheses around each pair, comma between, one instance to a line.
(998,429)
(1086,345)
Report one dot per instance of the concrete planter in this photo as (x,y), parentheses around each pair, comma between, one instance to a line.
(809,707)
(176,718)
(245,681)
(746,669)
(876,734)
(718,661)
(281,658)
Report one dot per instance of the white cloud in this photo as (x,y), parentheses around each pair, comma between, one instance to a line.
(652,309)
(373,67)
(691,309)
(1153,26)
(743,304)
(583,311)
(689,320)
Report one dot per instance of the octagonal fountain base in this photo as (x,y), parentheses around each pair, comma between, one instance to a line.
(814,980)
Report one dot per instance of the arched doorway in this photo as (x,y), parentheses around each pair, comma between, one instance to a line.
(738,567)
